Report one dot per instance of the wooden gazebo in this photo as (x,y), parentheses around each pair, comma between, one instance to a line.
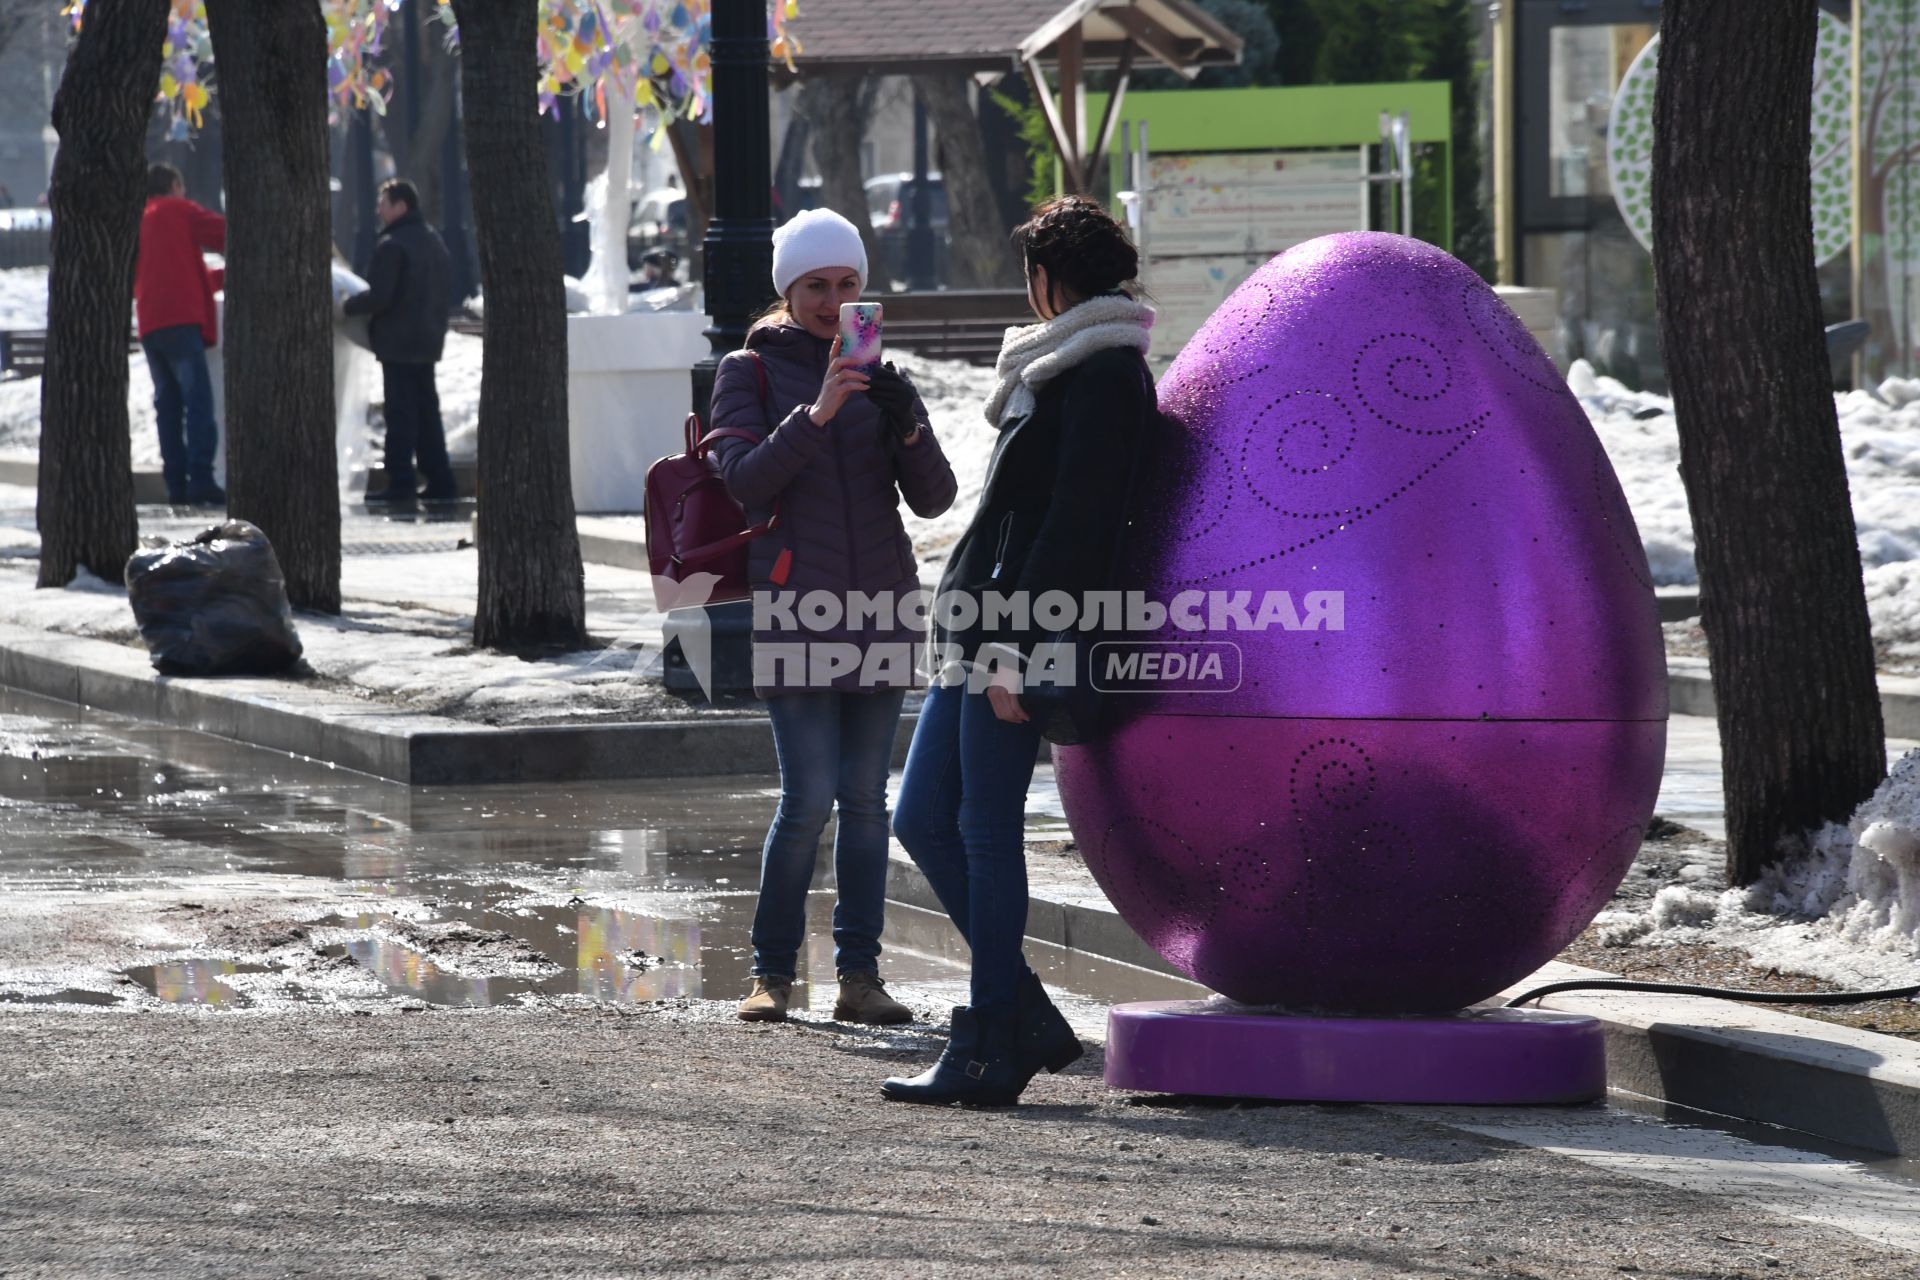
(991,38)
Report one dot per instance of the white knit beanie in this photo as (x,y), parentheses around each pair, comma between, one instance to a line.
(814,239)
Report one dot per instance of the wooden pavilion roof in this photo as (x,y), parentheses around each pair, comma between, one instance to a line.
(899,37)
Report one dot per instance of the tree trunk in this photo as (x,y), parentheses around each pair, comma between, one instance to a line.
(836,107)
(86,513)
(791,166)
(1780,587)
(609,280)
(532,590)
(415,145)
(982,258)
(282,474)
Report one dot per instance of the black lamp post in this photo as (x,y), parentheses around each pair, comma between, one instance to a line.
(359,187)
(739,244)
(576,238)
(739,275)
(453,210)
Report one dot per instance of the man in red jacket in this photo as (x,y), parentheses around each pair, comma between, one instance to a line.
(173,305)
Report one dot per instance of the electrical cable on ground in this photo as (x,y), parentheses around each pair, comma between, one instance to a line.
(1720,993)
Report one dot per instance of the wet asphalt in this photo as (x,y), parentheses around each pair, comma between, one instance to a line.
(260,1016)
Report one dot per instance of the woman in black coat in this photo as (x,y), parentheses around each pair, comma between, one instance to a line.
(1075,407)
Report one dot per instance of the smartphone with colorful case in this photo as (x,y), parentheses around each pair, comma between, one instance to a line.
(860,333)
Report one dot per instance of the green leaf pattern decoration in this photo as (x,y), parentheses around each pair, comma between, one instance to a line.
(1890,115)
(1630,139)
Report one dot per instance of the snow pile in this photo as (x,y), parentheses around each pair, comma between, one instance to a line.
(1879,433)
(1893,605)
(1863,878)
(1843,906)
(20,414)
(23,305)
(23,298)
(403,640)
(457,378)
(955,394)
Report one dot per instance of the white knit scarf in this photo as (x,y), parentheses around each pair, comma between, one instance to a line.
(1032,355)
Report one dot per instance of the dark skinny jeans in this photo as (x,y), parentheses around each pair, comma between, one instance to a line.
(962,817)
(414,430)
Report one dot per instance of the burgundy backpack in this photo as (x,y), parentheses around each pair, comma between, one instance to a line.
(693,523)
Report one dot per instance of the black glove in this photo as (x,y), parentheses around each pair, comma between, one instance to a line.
(893,395)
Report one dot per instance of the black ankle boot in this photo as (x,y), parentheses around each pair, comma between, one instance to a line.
(1045,1039)
(978,1066)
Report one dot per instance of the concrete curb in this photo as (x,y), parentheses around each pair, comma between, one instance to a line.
(428,750)
(287,715)
(1744,1061)
(1677,604)
(149,487)
(1853,1087)
(602,543)
(1690,693)
(1081,921)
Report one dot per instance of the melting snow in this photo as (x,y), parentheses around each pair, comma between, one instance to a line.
(1844,906)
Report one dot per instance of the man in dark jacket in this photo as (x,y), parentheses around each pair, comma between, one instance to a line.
(173,306)
(407,302)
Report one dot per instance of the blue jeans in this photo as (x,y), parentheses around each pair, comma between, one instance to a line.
(833,747)
(962,817)
(182,396)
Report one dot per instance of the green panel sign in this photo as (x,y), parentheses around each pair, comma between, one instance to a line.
(1333,115)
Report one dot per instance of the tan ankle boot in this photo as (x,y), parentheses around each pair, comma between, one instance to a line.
(864,998)
(768,1000)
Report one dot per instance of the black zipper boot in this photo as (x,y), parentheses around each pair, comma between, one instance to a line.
(978,1066)
(1045,1038)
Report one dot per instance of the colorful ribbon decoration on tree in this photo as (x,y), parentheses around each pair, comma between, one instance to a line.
(184,58)
(654,51)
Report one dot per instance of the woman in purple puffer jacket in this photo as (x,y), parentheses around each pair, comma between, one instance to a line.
(838,448)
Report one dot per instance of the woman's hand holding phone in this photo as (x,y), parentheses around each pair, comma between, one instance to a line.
(842,380)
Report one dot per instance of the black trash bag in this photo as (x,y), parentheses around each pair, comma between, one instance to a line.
(215,606)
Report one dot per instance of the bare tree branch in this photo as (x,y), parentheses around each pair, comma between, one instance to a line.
(839,106)
(1906,155)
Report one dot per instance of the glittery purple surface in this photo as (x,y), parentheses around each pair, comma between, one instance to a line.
(1484,1057)
(1410,812)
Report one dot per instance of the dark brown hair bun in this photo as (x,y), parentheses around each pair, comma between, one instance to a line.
(1080,245)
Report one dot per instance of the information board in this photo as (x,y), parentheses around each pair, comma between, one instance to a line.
(1213,219)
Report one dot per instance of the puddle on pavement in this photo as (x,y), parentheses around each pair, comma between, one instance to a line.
(70,996)
(90,800)
(194,981)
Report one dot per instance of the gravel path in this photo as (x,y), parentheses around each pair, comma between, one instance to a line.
(670,1140)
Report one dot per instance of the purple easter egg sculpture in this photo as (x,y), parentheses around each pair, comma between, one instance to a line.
(1414,810)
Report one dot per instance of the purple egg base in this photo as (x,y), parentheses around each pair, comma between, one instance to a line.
(1479,1057)
(1360,866)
